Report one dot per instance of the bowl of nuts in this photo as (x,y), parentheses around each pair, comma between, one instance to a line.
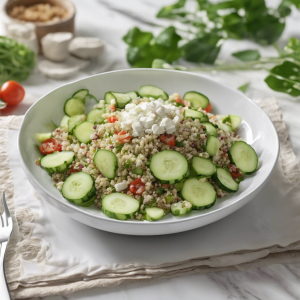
(47,16)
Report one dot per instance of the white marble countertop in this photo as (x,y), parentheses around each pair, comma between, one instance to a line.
(110,20)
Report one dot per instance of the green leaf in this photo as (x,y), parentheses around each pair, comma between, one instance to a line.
(140,57)
(164,46)
(171,10)
(247,55)
(203,49)
(292,49)
(234,25)
(168,38)
(243,88)
(135,37)
(284,7)
(264,29)
(285,78)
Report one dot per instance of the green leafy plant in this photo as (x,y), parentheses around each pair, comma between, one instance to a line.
(16,60)
(204,30)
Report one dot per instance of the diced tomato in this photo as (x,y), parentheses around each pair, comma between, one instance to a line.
(168,139)
(236,174)
(112,119)
(49,146)
(208,108)
(124,137)
(178,99)
(112,108)
(72,170)
(137,187)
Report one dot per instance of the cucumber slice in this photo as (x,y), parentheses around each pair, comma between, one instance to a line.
(196,99)
(83,132)
(74,121)
(235,121)
(202,166)
(169,166)
(57,161)
(224,181)
(210,129)
(88,203)
(95,116)
(202,195)
(181,208)
(119,206)
(137,171)
(153,213)
(73,107)
(121,99)
(64,122)
(133,95)
(108,97)
(212,145)
(79,188)
(244,157)
(153,91)
(221,117)
(225,127)
(41,137)
(81,94)
(106,162)
(193,114)
(204,119)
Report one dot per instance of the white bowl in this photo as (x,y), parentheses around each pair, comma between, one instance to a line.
(256,129)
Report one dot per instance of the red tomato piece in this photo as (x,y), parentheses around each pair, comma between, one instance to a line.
(49,146)
(236,174)
(208,108)
(72,170)
(12,92)
(137,187)
(112,119)
(112,108)
(168,139)
(124,137)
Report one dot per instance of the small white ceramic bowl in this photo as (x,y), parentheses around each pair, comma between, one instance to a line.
(256,129)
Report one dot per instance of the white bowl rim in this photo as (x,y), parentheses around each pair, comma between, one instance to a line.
(157,223)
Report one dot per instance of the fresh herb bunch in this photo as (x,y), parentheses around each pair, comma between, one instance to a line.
(16,60)
(283,77)
(203,31)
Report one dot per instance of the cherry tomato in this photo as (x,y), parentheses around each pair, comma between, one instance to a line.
(49,146)
(12,93)
(124,137)
(208,108)
(168,139)
(112,119)
(137,187)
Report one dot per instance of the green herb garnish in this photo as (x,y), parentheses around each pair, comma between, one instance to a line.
(16,60)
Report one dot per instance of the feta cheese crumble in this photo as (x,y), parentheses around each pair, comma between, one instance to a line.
(150,117)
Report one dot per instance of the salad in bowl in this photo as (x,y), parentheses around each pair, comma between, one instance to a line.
(144,154)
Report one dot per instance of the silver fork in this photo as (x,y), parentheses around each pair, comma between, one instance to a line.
(5,232)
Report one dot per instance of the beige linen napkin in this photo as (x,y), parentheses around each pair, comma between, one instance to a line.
(25,248)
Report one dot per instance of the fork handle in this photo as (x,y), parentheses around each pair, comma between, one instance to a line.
(5,295)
